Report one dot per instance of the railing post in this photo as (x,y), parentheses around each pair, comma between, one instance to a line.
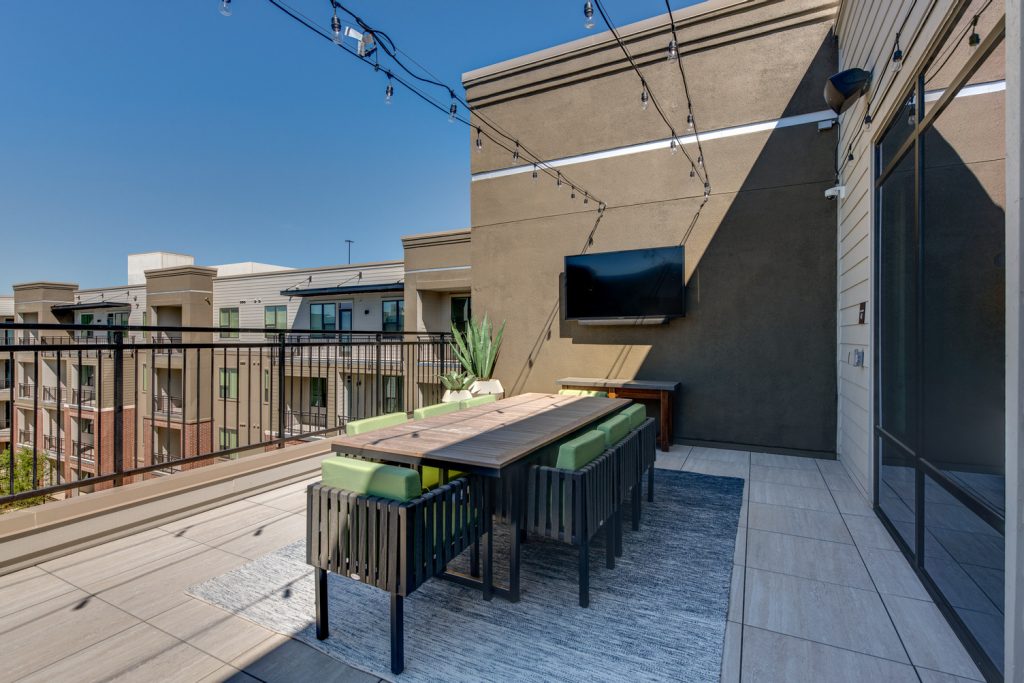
(280,389)
(118,406)
(379,378)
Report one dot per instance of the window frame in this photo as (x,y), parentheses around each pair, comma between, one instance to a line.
(232,311)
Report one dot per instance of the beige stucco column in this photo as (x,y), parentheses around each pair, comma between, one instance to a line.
(1014,627)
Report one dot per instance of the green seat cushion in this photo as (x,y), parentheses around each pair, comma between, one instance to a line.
(372,423)
(614,429)
(432,476)
(370,478)
(578,452)
(636,414)
(439,409)
(479,400)
(583,392)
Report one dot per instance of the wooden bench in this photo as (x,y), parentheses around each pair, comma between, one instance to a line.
(638,389)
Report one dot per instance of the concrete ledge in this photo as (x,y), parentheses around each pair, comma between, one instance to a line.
(54,529)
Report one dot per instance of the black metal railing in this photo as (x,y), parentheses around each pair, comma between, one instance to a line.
(183,397)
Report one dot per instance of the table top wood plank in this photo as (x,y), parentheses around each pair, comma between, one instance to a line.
(483,438)
(598,383)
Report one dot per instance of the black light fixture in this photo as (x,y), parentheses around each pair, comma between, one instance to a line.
(975,38)
(843,89)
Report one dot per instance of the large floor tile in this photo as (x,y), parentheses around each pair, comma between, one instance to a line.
(736,593)
(721,455)
(827,613)
(929,640)
(29,587)
(731,653)
(228,521)
(35,638)
(161,586)
(266,537)
(283,659)
(212,630)
(853,503)
(291,498)
(807,557)
(824,526)
(791,496)
(142,653)
(793,462)
(773,658)
(790,477)
(893,574)
(869,532)
(929,676)
(229,674)
(716,468)
(740,551)
(670,461)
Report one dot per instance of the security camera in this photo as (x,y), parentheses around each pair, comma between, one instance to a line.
(837,192)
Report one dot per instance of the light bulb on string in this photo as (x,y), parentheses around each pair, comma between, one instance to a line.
(535,171)
(452,111)
(588,15)
(693,172)
(389,92)
(225,7)
(673,50)
(867,122)
(336,28)
(975,38)
(558,179)
(573,194)
(515,152)
(479,141)
(644,98)
(689,123)
(586,198)
(897,56)
(673,147)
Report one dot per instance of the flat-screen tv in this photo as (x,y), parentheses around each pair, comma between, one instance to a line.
(638,283)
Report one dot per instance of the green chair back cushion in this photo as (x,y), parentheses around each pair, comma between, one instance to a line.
(614,429)
(577,453)
(432,476)
(583,392)
(370,478)
(478,400)
(636,414)
(373,423)
(439,409)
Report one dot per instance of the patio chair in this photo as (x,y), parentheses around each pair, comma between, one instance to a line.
(571,501)
(370,424)
(648,433)
(370,523)
(583,392)
(478,401)
(433,476)
(437,409)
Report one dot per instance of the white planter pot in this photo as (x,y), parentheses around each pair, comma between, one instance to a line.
(455,396)
(483,387)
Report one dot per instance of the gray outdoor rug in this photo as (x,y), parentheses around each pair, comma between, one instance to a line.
(659,615)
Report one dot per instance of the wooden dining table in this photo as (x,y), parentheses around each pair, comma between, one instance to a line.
(494,441)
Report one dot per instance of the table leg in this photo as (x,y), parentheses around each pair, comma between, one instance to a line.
(488,540)
(665,426)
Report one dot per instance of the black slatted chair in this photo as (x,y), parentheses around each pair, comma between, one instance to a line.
(370,523)
(576,498)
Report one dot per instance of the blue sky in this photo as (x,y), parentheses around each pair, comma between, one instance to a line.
(140,126)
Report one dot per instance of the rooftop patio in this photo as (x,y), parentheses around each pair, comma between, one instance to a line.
(819,592)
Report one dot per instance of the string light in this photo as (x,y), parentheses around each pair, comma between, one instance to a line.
(535,171)
(588,15)
(515,153)
(868,121)
(975,39)
(389,91)
(897,56)
(645,98)
(911,114)
(673,50)
(693,171)
(689,123)
(452,110)
(479,141)
(707,190)
(573,194)
(672,146)
(700,160)
(558,179)
(586,198)
(225,7)
(335,25)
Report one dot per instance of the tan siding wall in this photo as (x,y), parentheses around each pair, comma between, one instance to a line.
(866,31)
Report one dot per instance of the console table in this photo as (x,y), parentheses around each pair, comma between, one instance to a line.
(640,389)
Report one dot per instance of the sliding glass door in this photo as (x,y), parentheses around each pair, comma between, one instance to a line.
(939,359)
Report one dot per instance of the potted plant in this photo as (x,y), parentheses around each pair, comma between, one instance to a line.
(456,385)
(477,352)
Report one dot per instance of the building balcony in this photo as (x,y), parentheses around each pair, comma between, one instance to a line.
(86,395)
(168,405)
(813,596)
(26,437)
(53,444)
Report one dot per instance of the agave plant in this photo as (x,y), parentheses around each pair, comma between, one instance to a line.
(475,349)
(456,380)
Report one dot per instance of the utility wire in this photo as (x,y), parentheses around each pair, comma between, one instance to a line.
(700,172)
(686,89)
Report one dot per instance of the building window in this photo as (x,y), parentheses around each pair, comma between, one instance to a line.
(461,313)
(275,318)
(318,392)
(145,379)
(322,317)
(393,402)
(87,376)
(228,438)
(229,384)
(266,386)
(145,322)
(229,319)
(393,315)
